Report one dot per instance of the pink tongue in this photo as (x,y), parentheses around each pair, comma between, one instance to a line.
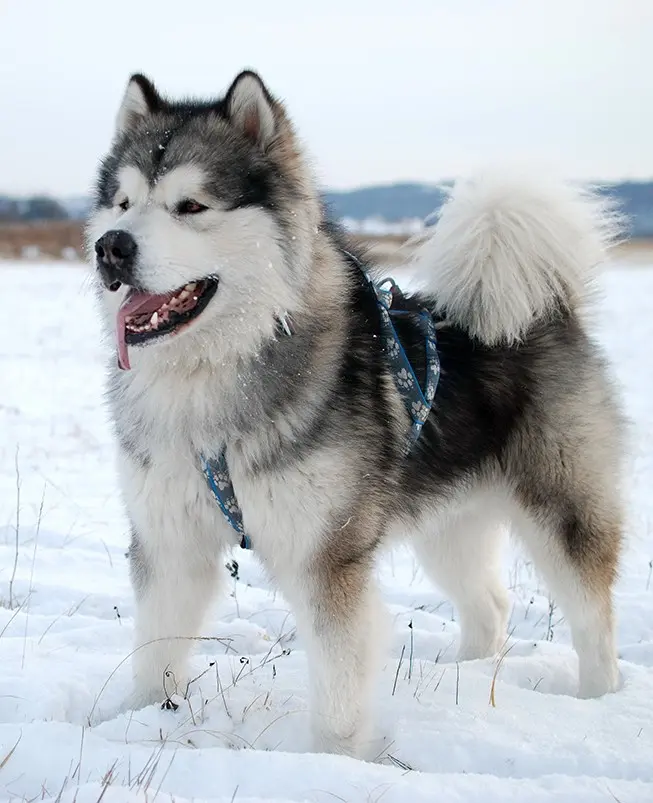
(134,304)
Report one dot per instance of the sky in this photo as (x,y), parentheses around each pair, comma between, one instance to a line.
(380,90)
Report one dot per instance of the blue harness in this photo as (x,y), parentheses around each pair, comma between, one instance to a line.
(417,400)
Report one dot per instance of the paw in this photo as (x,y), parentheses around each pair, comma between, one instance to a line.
(355,743)
(475,653)
(157,687)
(600,681)
(140,698)
(484,628)
(481,646)
(324,742)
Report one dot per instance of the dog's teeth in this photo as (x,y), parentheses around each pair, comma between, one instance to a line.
(191,286)
(154,320)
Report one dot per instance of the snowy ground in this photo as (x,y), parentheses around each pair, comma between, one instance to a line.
(66,624)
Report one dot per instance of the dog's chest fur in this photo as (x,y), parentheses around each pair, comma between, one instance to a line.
(165,424)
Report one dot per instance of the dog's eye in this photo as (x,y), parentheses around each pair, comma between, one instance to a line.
(190,207)
(124,205)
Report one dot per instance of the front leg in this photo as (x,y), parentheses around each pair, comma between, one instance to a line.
(175,552)
(173,585)
(338,613)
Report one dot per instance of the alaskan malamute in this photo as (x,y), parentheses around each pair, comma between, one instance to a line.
(248,338)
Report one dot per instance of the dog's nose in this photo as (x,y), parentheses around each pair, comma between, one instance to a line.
(116,255)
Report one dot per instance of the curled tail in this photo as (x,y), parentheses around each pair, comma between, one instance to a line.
(506,252)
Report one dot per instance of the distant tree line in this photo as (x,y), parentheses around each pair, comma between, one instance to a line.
(38,207)
(392,203)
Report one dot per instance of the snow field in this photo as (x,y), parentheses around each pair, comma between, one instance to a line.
(66,624)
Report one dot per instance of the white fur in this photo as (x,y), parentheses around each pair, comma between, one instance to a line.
(507,249)
(459,546)
(182,535)
(299,501)
(132,187)
(286,514)
(344,661)
(179,184)
(589,614)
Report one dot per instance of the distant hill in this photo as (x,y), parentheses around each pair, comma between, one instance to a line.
(392,207)
(391,202)
(407,202)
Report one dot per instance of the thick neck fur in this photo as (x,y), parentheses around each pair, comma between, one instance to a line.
(255,388)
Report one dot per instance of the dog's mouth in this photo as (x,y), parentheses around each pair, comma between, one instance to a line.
(144,317)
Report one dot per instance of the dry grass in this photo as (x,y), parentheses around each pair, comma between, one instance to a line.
(42,240)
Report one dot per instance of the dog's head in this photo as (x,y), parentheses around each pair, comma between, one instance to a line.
(204,218)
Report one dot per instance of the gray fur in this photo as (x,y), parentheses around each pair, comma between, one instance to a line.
(139,567)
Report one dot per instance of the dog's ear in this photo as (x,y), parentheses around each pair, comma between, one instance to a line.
(250,108)
(139,100)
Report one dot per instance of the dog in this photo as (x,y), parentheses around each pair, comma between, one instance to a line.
(246,328)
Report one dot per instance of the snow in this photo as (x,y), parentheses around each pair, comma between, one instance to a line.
(380,227)
(65,639)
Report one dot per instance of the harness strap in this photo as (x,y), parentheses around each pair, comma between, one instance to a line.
(417,400)
(217,475)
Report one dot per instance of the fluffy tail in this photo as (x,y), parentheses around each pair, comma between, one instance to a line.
(508,251)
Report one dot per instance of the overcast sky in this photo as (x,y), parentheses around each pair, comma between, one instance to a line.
(380,90)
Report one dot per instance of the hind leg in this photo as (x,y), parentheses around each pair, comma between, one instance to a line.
(575,546)
(462,558)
